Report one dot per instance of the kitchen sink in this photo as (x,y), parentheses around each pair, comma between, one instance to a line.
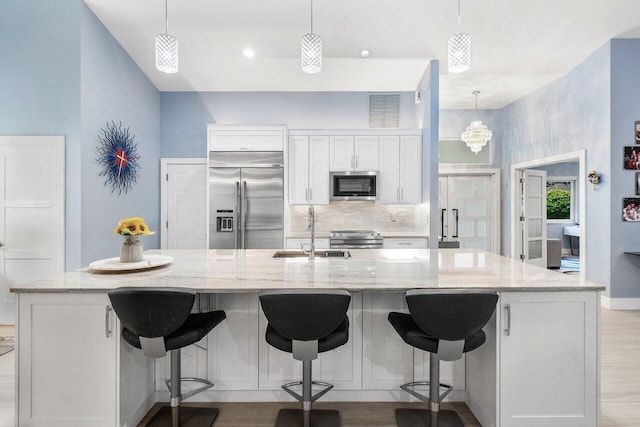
(334,253)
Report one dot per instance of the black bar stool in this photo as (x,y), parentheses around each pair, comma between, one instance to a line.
(306,323)
(446,323)
(159,319)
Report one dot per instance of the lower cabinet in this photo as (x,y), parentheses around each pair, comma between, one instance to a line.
(548,359)
(67,361)
(405,243)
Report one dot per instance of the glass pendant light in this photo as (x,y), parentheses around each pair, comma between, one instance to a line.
(459,50)
(477,135)
(166,48)
(311,57)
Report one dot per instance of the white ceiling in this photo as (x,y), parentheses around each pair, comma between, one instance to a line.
(517,45)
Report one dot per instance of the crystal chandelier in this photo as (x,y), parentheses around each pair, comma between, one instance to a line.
(459,50)
(477,135)
(166,48)
(311,58)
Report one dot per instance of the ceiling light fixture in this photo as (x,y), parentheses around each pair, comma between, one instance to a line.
(477,135)
(166,48)
(365,53)
(311,57)
(459,50)
(248,53)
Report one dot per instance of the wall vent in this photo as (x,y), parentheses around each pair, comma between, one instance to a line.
(384,110)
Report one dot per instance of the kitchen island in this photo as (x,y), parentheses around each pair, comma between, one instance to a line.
(539,365)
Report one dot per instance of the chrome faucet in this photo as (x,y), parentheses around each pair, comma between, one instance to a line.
(311,226)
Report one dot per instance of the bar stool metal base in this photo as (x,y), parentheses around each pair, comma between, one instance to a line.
(426,418)
(189,417)
(317,418)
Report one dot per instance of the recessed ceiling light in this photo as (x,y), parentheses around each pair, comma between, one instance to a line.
(248,53)
(365,53)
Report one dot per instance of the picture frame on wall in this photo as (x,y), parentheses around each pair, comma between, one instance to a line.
(631,209)
(637,131)
(631,158)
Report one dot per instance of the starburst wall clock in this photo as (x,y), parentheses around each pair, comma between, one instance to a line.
(118,156)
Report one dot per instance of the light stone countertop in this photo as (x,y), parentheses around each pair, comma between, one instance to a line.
(390,235)
(367,270)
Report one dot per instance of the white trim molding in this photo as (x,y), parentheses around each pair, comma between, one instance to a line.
(620,303)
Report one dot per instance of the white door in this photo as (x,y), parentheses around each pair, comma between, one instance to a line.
(366,153)
(32,226)
(299,170)
(186,206)
(467,211)
(533,217)
(318,170)
(342,157)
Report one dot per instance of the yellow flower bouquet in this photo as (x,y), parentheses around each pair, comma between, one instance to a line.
(132,227)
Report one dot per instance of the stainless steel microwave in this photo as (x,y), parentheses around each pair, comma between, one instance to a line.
(354,185)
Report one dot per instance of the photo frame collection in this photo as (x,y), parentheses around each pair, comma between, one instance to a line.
(631,161)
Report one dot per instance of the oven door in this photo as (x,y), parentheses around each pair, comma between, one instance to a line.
(354,185)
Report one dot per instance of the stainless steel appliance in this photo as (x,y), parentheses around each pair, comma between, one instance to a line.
(354,185)
(246,200)
(355,239)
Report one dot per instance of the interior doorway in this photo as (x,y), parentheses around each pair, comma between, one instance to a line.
(560,230)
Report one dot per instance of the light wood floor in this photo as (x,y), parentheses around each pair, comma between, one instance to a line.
(620,391)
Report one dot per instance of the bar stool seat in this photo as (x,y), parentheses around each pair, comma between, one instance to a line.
(335,339)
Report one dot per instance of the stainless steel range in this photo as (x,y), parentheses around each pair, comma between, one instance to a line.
(355,239)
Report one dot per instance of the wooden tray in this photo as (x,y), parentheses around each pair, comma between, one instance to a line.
(114,264)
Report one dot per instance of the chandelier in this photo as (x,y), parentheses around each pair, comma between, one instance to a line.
(477,135)
(166,48)
(459,50)
(311,57)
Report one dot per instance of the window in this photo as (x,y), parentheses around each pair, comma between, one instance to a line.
(561,199)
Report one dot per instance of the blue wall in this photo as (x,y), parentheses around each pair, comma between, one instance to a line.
(40,90)
(115,89)
(185,115)
(625,110)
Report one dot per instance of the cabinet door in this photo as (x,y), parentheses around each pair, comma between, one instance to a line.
(410,170)
(321,243)
(299,170)
(388,176)
(366,153)
(387,362)
(400,243)
(67,364)
(342,157)
(246,140)
(319,170)
(549,359)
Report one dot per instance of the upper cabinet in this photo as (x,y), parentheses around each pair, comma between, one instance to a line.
(308,170)
(246,138)
(400,173)
(354,153)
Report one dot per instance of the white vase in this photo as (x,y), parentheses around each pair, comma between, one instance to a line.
(131,249)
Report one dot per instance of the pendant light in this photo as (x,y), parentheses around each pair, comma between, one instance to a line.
(311,57)
(459,50)
(477,135)
(166,48)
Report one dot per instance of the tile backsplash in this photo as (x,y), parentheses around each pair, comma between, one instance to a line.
(361,216)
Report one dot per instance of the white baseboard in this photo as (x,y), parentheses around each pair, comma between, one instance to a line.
(620,303)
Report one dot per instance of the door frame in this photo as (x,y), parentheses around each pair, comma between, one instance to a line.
(164,177)
(581,157)
(494,173)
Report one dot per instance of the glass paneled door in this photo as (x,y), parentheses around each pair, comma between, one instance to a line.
(467,211)
(533,216)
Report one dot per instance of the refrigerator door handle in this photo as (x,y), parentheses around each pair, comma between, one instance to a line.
(455,235)
(237,216)
(442,215)
(244,213)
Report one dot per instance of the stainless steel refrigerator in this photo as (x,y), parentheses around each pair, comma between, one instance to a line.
(246,200)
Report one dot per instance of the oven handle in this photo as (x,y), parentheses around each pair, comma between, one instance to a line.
(355,246)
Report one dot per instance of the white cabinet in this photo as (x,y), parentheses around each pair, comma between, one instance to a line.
(67,361)
(308,170)
(354,153)
(548,359)
(246,138)
(405,243)
(321,243)
(400,173)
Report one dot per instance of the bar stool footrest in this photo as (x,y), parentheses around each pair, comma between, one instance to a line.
(190,393)
(317,418)
(288,388)
(406,417)
(410,388)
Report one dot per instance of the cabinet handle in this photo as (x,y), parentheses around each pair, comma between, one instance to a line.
(306,194)
(310,194)
(356,161)
(402,194)
(404,243)
(397,193)
(507,319)
(107,321)
(352,162)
